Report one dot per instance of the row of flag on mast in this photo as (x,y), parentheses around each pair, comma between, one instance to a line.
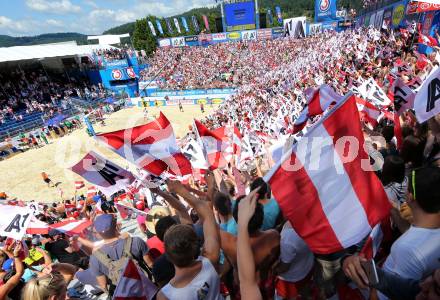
(177,25)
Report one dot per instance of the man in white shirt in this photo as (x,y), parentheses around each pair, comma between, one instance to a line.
(294,267)
(416,254)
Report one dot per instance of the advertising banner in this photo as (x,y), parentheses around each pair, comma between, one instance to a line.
(249,35)
(269,17)
(159,26)
(170,29)
(153,31)
(325,10)
(164,42)
(178,41)
(420,7)
(398,14)
(192,40)
(195,24)
(264,34)
(184,23)
(315,28)
(279,15)
(387,17)
(379,19)
(205,20)
(176,23)
(219,36)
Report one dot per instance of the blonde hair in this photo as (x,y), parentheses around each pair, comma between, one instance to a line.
(44,287)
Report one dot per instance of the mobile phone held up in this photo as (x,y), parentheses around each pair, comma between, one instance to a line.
(370,268)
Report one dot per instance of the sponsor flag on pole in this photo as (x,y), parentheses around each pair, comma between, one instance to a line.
(205,20)
(426,103)
(152,147)
(213,146)
(279,15)
(153,31)
(170,29)
(159,26)
(323,184)
(176,23)
(184,23)
(106,175)
(134,284)
(195,24)
(269,17)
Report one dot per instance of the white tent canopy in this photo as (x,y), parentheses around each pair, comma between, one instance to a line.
(47,50)
(108,39)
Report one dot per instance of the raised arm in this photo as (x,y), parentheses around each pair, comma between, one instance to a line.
(14,280)
(176,204)
(245,258)
(211,246)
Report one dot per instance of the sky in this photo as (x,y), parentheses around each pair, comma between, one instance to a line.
(33,17)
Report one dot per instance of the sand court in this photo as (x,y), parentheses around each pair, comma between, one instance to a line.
(22,173)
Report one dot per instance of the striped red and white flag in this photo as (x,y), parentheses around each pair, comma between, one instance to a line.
(134,284)
(91,191)
(152,147)
(368,112)
(213,146)
(71,227)
(319,100)
(79,185)
(323,184)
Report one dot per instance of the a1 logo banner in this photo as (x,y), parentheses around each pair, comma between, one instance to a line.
(14,221)
(427,103)
(403,97)
(373,93)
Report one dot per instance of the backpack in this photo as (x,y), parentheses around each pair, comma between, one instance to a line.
(115,267)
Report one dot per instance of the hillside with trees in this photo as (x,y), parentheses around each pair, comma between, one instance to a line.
(141,33)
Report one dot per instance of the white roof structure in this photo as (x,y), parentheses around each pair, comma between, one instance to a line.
(108,39)
(47,50)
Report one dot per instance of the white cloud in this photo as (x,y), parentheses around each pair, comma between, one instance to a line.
(91,3)
(13,26)
(58,7)
(169,8)
(55,23)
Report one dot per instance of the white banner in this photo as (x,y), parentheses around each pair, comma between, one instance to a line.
(176,23)
(178,42)
(249,35)
(427,103)
(14,221)
(373,93)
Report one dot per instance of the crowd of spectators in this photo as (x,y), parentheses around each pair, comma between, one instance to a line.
(26,92)
(226,235)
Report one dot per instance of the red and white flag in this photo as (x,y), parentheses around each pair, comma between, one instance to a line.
(427,40)
(213,146)
(324,184)
(79,185)
(37,227)
(71,227)
(368,112)
(319,100)
(91,191)
(373,242)
(152,147)
(134,284)
(106,175)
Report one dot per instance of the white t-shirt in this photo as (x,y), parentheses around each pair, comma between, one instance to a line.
(415,254)
(205,285)
(295,251)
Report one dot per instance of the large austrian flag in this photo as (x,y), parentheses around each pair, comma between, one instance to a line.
(152,147)
(324,186)
(106,175)
(213,146)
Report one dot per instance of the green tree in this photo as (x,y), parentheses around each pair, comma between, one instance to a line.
(143,38)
